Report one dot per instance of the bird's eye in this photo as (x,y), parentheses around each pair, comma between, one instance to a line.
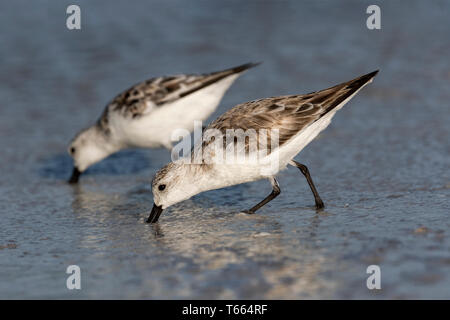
(72,150)
(161,187)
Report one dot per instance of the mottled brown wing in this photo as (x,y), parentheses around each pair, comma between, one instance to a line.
(143,97)
(288,114)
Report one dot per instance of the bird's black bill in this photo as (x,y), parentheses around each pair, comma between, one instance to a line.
(75,175)
(154,215)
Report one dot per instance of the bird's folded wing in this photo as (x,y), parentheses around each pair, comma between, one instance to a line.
(287,115)
(144,97)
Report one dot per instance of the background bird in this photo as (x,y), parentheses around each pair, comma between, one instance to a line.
(145,115)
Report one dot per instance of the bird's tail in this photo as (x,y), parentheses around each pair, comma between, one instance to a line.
(336,96)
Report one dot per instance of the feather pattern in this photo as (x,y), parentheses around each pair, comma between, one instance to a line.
(144,97)
(289,114)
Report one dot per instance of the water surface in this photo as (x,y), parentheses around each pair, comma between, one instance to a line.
(382,167)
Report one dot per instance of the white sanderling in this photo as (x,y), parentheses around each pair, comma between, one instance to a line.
(297,120)
(145,115)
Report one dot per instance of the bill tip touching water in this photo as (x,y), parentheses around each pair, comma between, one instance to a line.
(294,121)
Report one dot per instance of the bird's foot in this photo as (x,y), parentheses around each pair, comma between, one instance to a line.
(319,204)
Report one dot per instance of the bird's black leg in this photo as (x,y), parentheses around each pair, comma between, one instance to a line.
(75,176)
(275,192)
(305,171)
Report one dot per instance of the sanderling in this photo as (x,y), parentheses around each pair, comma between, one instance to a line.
(297,120)
(145,115)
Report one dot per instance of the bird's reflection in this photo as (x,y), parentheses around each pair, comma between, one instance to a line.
(157,230)
(269,248)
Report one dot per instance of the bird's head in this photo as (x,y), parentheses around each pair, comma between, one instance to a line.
(175,182)
(89,146)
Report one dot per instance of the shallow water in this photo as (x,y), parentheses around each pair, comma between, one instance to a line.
(382,167)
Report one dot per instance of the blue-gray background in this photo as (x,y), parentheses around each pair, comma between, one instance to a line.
(382,167)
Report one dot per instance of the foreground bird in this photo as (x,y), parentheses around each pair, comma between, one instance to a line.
(294,121)
(145,115)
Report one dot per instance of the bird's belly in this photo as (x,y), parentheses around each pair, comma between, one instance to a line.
(230,175)
(170,122)
(140,133)
(156,131)
(291,148)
